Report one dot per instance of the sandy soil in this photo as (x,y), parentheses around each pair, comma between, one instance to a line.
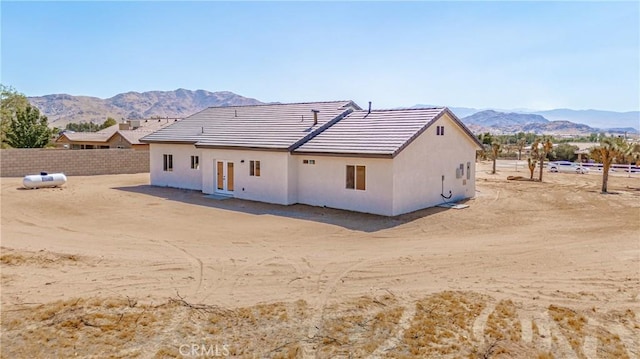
(110,266)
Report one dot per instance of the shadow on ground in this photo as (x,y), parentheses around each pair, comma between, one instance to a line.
(351,220)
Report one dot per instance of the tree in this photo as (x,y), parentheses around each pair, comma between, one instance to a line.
(108,123)
(545,147)
(520,146)
(564,152)
(90,126)
(495,151)
(609,149)
(10,102)
(532,166)
(29,129)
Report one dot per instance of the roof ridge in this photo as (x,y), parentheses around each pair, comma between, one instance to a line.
(403,109)
(283,104)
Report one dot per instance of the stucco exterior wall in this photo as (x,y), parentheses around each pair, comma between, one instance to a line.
(324,184)
(418,169)
(272,184)
(182,175)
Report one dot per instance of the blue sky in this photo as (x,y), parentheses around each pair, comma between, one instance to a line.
(537,55)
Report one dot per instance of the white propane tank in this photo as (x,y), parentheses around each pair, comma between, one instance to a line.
(44,180)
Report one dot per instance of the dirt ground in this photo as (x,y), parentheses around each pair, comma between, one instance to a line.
(108,266)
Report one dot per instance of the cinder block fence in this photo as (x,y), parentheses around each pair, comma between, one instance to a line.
(22,162)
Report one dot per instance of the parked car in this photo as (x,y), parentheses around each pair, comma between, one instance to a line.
(566,166)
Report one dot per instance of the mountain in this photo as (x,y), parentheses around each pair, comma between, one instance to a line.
(504,123)
(595,118)
(62,108)
(491,118)
(598,120)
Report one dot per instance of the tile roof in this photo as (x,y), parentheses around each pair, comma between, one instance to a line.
(132,136)
(381,133)
(146,127)
(270,126)
(99,136)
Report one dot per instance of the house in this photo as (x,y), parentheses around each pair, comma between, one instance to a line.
(122,135)
(333,154)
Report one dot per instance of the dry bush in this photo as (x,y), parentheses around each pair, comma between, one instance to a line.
(503,323)
(442,326)
(42,259)
(610,345)
(572,325)
(358,327)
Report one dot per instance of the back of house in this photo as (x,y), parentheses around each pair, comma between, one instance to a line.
(333,154)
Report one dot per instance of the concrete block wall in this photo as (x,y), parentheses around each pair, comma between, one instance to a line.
(28,161)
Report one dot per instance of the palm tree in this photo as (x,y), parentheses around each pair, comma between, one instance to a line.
(610,148)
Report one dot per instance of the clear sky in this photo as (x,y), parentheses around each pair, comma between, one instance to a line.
(536,55)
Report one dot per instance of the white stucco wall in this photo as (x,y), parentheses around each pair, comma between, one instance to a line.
(418,169)
(182,176)
(324,184)
(271,186)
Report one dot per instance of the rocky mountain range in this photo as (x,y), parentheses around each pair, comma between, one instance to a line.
(553,122)
(62,109)
(504,123)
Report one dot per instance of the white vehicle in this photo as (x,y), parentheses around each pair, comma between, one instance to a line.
(566,166)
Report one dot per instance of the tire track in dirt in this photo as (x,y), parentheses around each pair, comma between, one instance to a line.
(562,346)
(629,339)
(403,324)
(481,322)
(308,348)
(195,262)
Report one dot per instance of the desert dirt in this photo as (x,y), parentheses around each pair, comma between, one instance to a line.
(108,266)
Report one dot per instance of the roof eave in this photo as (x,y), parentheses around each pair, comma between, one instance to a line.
(247,148)
(343,154)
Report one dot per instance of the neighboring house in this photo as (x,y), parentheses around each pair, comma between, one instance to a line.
(332,154)
(122,135)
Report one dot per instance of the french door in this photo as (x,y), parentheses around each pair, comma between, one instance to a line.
(224,176)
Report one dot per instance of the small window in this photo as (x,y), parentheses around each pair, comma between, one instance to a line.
(306,162)
(356,177)
(168,163)
(195,162)
(309,162)
(254,168)
(440,130)
(351,177)
(360,177)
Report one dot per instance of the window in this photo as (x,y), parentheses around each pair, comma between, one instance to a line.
(440,130)
(356,177)
(309,162)
(168,163)
(195,162)
(254,168)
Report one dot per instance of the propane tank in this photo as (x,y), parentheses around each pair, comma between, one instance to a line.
(44,179)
